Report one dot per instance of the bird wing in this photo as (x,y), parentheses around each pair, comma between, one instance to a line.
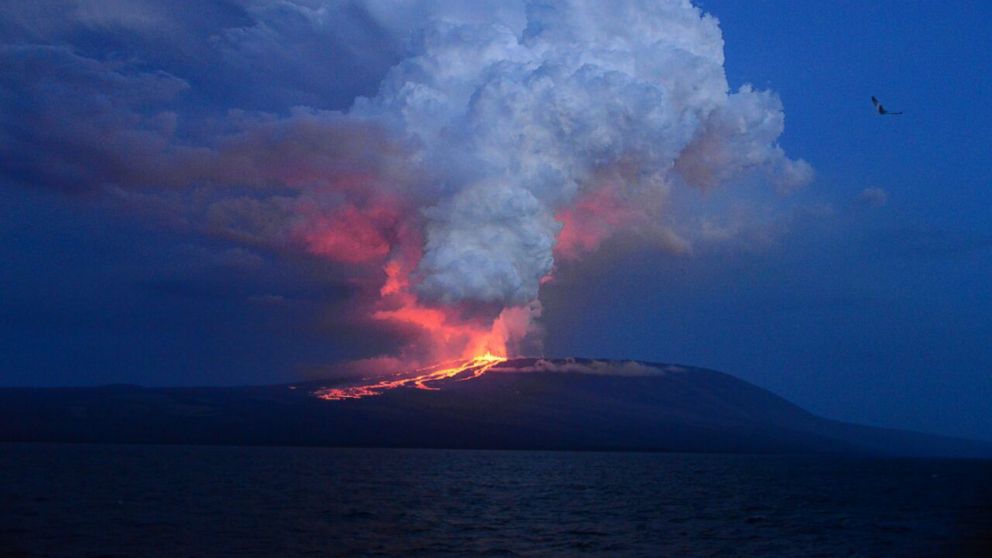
(880,108)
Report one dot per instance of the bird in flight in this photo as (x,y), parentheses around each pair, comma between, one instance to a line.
(881,110)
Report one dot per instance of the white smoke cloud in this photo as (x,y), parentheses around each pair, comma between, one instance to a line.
(516,124)
(490,242)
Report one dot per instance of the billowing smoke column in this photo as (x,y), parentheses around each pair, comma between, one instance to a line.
(506,140)
(534,145)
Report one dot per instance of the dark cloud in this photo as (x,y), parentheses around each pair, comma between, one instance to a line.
(90,296)
(255,56)
(75,123)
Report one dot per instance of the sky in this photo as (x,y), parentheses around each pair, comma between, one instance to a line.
(203,201)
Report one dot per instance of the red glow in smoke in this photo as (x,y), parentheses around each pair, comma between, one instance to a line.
(370,231)
(448,334)
(592,219)
(352,235)
(374,232)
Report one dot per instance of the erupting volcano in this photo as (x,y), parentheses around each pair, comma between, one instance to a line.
(484,402)
(431,207)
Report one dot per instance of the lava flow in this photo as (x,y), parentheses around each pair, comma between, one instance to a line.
(465,370)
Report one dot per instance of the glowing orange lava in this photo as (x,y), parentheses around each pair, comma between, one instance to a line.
(465,370)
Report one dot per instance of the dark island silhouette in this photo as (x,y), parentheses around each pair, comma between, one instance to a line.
(526,403)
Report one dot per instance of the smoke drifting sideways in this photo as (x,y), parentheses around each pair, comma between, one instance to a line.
(499,144)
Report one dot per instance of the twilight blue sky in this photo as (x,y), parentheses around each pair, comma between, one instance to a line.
(865,296)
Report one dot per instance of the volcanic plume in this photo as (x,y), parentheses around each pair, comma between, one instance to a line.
(501,142)
(532,145)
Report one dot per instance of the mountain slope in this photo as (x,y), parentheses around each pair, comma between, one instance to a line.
(518,404)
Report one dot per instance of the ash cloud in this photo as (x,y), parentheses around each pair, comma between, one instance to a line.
(462,151)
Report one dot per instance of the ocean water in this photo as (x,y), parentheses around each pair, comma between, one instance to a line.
(176,501)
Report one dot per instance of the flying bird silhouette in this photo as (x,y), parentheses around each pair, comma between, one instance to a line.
(881,110)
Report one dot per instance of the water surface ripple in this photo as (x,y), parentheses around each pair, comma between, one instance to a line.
(175,501)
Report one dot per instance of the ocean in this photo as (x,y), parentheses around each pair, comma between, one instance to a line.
(178,501)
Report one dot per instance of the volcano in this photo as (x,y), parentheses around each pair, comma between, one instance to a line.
(493,403)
